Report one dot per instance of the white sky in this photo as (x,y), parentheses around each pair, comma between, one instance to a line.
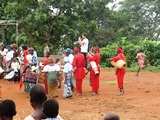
(116,4)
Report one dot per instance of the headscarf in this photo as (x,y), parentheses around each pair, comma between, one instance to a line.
(120,50)
(76,50)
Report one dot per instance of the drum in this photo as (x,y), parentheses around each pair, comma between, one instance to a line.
(118,64)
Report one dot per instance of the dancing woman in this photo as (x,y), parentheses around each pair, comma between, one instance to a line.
(140,60)
(120,71)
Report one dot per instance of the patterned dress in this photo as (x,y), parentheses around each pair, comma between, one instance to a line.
(30,79)
(68,84)
(140,59)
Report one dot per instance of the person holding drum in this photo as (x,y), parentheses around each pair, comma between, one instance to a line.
(119,62)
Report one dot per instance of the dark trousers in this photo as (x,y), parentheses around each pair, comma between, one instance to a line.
(85,56)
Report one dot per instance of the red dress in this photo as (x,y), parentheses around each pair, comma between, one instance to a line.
(120,72)
(79,71)
(23,67)
(25,53)
(94,78)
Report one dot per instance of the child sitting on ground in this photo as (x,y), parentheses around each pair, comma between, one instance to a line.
(111,116)
(37,98)
(51,110)
(7,110)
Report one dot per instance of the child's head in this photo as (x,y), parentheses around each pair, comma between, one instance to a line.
(51,59)
(68,51)
(76,50)
(111,116)
(7,109)
(139,51)
(37,96)
(51,108)
(24,47)
(31,50)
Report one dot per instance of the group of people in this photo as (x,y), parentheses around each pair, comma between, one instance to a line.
(43,108)
(19,64)
(22,65)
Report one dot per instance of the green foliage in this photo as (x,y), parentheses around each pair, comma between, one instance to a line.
(58,22)
(149,47)
(144,17)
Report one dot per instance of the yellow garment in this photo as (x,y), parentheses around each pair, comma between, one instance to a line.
(52,90)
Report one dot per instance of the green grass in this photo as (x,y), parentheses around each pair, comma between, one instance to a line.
(134,68)
(112,82)
(152,68)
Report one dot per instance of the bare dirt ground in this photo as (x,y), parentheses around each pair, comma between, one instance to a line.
(140,102)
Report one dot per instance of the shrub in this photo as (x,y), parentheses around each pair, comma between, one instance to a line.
(149,47)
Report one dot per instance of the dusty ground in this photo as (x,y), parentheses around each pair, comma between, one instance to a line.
(140,102)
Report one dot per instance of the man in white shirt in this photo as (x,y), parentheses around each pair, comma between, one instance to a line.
(84,43)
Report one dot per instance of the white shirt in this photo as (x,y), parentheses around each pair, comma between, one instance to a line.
(29,58)
(51,68)
(9,55)
(58,67)
(84,45)
(71,57)
(29,118)
(15,66)
(37,113)
(67,68)
(4,52)
(58,118)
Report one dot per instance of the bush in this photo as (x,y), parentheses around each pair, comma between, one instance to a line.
(149,47)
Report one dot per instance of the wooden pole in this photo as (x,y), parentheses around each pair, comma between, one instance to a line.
(17,33)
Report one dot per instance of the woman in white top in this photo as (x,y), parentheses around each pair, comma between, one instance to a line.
(52,71)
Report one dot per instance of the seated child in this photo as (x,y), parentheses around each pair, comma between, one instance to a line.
(37,98)
(111,116)
(13,72)
(51,110)
(7,110)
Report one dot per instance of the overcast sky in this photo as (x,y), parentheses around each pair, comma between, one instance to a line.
(116,4)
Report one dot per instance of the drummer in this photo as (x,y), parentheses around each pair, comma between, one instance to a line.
(120,72)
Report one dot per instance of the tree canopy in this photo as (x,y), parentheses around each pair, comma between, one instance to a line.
(60,22)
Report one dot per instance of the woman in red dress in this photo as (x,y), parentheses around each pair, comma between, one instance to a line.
(120,72)
(94,59)
(79,69)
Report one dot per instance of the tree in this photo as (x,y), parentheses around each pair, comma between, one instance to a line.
(59,22)
(144,17)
